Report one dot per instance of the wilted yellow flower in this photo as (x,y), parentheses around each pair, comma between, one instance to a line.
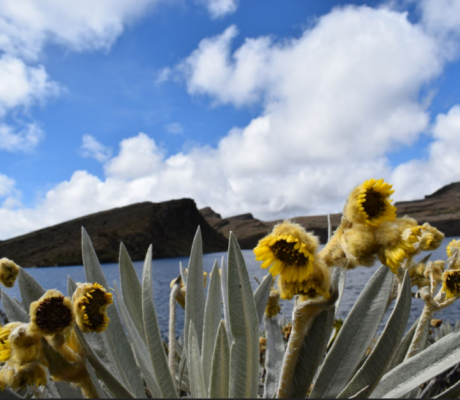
(359,245)
(451,283)
(52,313)
(90,301)
(25,365)
(435,269)
(454,245)
(8,272)
(289,250)
(370,204)
(5,346)
(417,276)
(431,237)
(317,284)
(273,305)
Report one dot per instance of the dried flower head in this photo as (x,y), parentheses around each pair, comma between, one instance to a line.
(417,275)
(435,269)
(8,272)
(453,246)
(431,238)
(52,313)
(359,245)
(289,250)
(90,301)
(317,284)
(370,204)
(451,283)
(273,305)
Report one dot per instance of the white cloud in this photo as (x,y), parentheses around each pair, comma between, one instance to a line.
(24,139)
(84,25)
(6,185)
(417,178)
(335,101)
(139,156)
(23,85)
(175,128)
(220,8)
(93,149)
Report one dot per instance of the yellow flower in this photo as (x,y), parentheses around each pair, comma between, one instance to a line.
(369,203)
(451,283)
(8,272)
(317,284)
(431,237)
(5,345)
(453,246)
(359,245)
(26,362)
(273,305)
(289,250)
(90,302)
(52,313)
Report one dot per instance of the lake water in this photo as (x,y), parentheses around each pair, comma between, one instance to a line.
(164,270)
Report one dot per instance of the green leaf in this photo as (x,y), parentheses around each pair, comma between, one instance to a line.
(100,391)
(29,288)
(152,333)
(274,354)
(312,352)
(212,317)
(194,295)
(112,382)
(374,367)
(224,278)
(355,336)
(219,383)
(244,353)
(115,340)
(338,281)
(13,310)
(131,289)
(195,370)
(427,364)
(261,296)
(403,347)
(142,353)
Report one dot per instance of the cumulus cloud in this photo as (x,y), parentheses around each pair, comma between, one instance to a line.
(419,177)
(220,8)
(24,139)
(91,148)
(334,102)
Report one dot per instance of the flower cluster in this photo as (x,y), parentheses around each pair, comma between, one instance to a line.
(52,319)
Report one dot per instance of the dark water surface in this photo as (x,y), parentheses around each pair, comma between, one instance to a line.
(164,270)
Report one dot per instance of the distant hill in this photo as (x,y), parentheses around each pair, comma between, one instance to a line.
(441,209)
(169,226)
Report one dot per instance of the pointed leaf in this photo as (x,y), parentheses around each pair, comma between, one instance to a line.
(403,347)
(212,318)
(139,346)
(111,381)
(374,367)
(131,289)
(424,366)
(29,288)
(244,353)
(224,277)
(219,382)
(274,354)
(355,336)
(312,352)
(261,296)
(152,333)
(13,310)
(115,340)
(195,370)
(194,295)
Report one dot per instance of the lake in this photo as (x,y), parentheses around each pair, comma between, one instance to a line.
(164,270)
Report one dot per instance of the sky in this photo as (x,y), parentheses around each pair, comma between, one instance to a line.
(278,108)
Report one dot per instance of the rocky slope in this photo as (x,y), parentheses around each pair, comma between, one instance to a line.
(441,209)
(169,226)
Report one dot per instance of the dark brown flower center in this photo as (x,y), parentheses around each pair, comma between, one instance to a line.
(95,318)
(374,204)
(286,253)
(453,282)
(53,315)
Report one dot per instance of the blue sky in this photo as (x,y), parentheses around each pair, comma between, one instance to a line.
(276,108)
